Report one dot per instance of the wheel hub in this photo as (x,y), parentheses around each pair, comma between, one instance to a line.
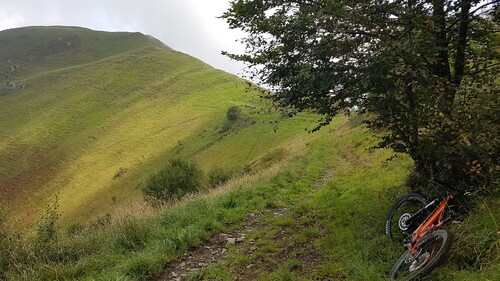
(419,262)
(402,221)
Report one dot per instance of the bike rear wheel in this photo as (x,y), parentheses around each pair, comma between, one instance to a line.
(405,207)
(431,252)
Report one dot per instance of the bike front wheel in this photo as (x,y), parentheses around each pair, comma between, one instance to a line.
(431,252)
(407,205)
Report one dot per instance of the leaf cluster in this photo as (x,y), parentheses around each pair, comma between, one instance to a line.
(418,70)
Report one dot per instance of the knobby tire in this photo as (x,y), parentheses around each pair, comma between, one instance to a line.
(432,252)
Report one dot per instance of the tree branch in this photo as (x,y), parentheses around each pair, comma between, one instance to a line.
(483,6)
(472,14)
(483,69)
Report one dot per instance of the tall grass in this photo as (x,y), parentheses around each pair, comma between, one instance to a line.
(336,193)
(137,243)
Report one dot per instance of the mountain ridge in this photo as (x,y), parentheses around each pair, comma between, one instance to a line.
(35,49)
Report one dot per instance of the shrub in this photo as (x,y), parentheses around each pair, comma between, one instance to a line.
(233,113)
(235,120)
(173,182)
(476,244)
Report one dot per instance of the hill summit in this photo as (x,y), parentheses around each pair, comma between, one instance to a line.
(30,50)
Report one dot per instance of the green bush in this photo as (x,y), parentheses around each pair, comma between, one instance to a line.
(173,182)
(233,113)
(235,120)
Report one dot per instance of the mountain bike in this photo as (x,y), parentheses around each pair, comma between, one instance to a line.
(417,222)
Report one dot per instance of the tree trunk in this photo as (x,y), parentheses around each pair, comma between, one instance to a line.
(445,91)
(461,42)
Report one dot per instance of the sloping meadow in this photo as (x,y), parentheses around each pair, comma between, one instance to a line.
(91,134)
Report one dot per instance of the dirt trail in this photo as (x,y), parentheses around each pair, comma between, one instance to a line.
(211,252)
(216,250)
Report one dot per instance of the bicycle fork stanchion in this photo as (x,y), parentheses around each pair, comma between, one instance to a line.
(432,223)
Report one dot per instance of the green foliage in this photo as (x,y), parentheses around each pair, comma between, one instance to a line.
(230,201)
(233,113)
(226,127)
(419,71)
(235,120)
(174,181)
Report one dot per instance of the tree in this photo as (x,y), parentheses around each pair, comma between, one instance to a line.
(412,68)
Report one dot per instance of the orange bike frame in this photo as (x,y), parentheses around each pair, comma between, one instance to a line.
(433,222)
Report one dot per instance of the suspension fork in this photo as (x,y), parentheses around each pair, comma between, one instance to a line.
(419,212)
(434,221)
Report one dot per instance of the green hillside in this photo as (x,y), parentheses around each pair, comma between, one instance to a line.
(92,124)
(317,215)
(31,50)
(117,104)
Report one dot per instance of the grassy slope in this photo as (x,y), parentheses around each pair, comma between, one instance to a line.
(31,50)
(110,116)
(334,194)
(73,128)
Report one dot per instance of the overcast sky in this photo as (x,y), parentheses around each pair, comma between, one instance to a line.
(189,26)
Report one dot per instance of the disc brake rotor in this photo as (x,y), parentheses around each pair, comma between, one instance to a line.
(402,221)
(411,258)
(419,262)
